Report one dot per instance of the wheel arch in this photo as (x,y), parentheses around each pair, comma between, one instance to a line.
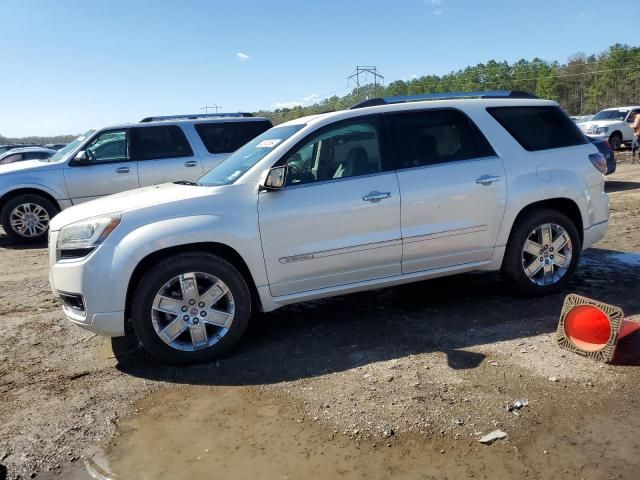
(220,249)
(28,191)
(565,206)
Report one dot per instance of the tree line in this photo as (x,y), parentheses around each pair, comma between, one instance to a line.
(583,85)
(38,140)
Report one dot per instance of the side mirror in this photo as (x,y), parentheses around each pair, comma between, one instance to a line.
(276,178)
(81,157)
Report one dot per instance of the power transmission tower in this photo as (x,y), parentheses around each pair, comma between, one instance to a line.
(367,79)
(207,107)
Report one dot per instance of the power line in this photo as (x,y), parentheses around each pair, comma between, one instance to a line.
(207,107)
(365,71)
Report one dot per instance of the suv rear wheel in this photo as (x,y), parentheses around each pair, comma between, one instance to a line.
(26,218)
(191,308)
(542,253)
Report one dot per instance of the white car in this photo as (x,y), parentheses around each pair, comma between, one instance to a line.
(394,191)
(26,153)
(612,125)
(115,159)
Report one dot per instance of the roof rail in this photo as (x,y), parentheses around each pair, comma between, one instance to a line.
(442,96)
(195,116)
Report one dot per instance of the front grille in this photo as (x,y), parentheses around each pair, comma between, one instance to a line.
(73,301)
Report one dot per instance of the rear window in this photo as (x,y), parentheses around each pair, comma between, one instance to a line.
(538,127)
(229,137)
(159,142)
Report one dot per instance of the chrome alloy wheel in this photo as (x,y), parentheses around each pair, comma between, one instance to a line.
(29,220)
(192,311)
(547,254)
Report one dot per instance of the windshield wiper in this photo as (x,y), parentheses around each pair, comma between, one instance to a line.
(188,182)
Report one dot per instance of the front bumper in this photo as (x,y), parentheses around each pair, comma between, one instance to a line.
(96,280)
(594,234)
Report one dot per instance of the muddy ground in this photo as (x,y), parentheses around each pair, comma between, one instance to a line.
(398,382)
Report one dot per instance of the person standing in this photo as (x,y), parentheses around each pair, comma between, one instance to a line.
(635,145)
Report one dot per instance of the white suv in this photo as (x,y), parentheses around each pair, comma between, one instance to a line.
(612,124)
(115,159)
(400,191)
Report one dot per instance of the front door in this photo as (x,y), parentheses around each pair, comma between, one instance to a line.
(164,155)
(337,220)
(453,189)
(107,169)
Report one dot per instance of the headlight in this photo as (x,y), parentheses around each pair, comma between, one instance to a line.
(602,129)
(87,234)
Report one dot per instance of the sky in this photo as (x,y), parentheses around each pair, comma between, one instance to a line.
(67,66)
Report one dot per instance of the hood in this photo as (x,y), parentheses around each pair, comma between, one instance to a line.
(29,166)
(598,123)
(124,202)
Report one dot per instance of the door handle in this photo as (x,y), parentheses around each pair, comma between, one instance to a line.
(487,179)
(376,196)
(191,163)
(122,170)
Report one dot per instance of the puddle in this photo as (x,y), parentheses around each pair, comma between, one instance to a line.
(234,432)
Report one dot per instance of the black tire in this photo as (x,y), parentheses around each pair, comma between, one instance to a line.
(615,141)
(29,198)
(512,265)
(154,279)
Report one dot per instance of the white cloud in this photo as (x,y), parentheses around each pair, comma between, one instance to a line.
(435,4)
(305,101)
(243,57)
(585,15)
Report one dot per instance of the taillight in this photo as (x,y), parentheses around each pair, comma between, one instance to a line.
(598,161)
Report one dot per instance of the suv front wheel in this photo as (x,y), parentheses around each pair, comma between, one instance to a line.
(542,253)
(191,308)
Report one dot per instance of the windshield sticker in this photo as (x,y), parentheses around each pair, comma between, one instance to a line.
(269,143)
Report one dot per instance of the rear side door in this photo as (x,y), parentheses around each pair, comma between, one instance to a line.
(108,167)
(164,155)
(221,139)
(453,189)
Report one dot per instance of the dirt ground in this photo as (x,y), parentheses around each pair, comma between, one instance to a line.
(397,382)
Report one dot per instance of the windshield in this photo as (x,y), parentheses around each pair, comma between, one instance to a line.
(610,115)
(64,152)
(239,162)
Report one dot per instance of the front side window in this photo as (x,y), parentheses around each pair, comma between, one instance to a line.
(431,137)
(108,147)
(538,127)
(345,151)
(149,143)
(632,116)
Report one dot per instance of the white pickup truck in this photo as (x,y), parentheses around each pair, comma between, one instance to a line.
(612,124)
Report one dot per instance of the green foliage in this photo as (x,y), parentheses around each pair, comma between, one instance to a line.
(583,85)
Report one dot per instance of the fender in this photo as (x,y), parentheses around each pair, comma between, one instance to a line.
(60,198)
(562,184)
(234,231)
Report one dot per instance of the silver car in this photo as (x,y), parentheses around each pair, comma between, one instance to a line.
(115,159)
